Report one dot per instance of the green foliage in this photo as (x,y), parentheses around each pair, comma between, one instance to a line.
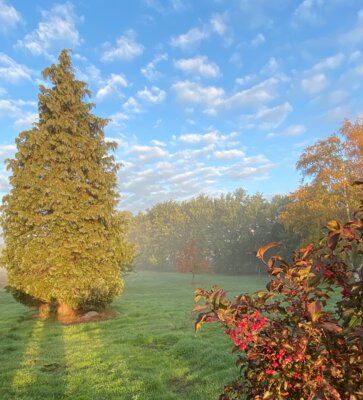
(64,239)
(289,344)
(228,230)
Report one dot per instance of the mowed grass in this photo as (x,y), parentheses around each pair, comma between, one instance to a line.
(148,351)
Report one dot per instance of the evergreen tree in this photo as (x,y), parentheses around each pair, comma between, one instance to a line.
(64,240)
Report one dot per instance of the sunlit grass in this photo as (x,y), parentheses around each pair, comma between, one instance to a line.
(24,375)
(148,352)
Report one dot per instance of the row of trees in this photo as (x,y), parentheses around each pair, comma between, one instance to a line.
(223,233)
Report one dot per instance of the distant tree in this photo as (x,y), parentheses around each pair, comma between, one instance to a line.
(65,242)
(330,167)
(192,259)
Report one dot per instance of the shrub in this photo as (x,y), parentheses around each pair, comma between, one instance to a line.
(290,344)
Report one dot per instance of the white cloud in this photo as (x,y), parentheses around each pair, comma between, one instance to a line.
(270,118)
(337,114)
(8,108)
(355,35)
(329,62)
(180,174)
(172,6)
(111,86)
(209,138)
(118,119)
(149,71)
(16,109)
(126,48)
(245,79)
(158,143)
(147,153)
(215,100)
(9,16)
(11,71)
(315,83)
(7,149)
(26,120)
(192,92)
(308,11)
(218,24)
(57,28)
(90,74)
(199,65)
(132,106)
(258,94)
(228,154)
(195,36)
(192,38)
(271,67)
(356,55)
(194,138)
(290,131)
(258,39)
(154,95)
(4,184)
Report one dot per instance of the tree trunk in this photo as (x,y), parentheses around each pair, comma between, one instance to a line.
(44,310)
(65,313)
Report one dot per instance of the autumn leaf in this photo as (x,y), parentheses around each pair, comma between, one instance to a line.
(262,250)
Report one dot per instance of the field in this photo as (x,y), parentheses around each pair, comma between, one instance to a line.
(149,351)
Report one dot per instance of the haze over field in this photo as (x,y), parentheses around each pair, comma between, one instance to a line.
(204,96)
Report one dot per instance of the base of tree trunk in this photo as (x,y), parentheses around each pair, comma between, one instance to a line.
(44,311)
(65,313)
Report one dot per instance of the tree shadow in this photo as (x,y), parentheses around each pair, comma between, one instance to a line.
(51,367)
(32,360)
(16,329)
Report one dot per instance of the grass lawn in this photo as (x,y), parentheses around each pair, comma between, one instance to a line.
(149,351)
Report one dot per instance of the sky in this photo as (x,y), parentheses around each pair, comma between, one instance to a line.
(204,96)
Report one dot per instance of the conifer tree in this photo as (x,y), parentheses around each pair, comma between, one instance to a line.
(64,239)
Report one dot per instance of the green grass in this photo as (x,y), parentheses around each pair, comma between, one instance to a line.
(149,351)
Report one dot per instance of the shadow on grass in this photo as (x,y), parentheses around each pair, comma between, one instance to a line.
(16,330)
(32,360)
(43,369)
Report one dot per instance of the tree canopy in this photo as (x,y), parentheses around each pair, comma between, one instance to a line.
(328,167)
(226,232)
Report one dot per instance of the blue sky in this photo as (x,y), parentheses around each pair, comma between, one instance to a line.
(205,96)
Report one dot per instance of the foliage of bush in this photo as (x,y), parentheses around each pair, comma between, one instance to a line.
(289,344)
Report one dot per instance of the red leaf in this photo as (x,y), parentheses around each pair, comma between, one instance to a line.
(332,327)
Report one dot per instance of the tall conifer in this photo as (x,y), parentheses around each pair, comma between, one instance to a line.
(64,239)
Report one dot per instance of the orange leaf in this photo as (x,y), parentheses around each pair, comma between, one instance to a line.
(262,250)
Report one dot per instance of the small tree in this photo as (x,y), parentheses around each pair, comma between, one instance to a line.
(192,259)
(64,239)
